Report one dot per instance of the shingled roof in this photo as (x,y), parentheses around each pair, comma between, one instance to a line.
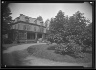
(28,19)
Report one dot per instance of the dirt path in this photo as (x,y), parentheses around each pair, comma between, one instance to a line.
(20,47)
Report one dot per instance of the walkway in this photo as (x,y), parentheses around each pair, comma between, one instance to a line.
(20,47)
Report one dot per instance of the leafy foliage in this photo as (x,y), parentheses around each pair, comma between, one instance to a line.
(57,27)
(6,21)
(40,18)
(47,22)
(6,18)
(73,30)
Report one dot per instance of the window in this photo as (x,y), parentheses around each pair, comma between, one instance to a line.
(24,27)
(15,26)
(41,29)
(31,36)
(41,23)
(22,35)
(28,27)
(34,28)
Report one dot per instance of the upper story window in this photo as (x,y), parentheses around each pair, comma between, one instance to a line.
(41,29)
(28,27)
(24,27)
(41,23)
(34,28)
(35,21)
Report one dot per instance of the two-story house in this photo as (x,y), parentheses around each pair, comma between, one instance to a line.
(27,29)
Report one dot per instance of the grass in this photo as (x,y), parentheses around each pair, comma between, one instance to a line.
(47,52)
(40,51)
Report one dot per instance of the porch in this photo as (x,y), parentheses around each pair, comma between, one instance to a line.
(25,36)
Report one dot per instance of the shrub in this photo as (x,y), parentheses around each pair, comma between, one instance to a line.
(61,48)
(73,47)
(80,55)
(69,49)
(52,47)
(87,49)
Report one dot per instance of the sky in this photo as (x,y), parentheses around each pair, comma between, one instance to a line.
(49,10)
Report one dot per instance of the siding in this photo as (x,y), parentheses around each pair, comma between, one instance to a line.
(27,27)
(37,29)
(31,28)
(21,26)
(15,26)
(12,27)
(15,20)
(38,22)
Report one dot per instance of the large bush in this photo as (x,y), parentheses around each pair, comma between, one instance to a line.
(72,30)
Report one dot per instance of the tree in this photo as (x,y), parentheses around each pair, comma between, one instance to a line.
(47,23)
(57,27)
(40,18)
(78,31)
(72,30)
(88,36)
(77,23)
(6,22)
(59,21)
(6,18)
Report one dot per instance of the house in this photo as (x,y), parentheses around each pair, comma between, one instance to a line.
(25,29)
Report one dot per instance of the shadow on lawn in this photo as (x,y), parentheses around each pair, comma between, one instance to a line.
(15,58)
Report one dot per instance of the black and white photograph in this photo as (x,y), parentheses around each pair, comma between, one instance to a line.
(47,34)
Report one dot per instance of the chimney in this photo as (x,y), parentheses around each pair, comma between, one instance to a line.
(21,14)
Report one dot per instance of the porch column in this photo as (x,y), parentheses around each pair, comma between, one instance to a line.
(36,36)
(26,37)
(43,36)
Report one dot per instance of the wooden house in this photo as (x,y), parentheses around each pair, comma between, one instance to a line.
(25,29)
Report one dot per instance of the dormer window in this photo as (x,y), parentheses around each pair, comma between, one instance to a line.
(35,21)
(21,14)
(18,19)
(27,19)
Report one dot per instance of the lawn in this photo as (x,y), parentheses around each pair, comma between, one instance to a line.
(43,51)
(40,51)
